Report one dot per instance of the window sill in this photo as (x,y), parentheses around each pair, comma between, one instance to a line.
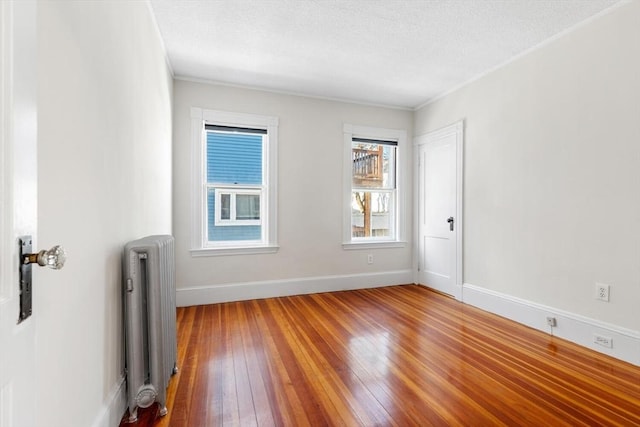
(373,245)
(224,251)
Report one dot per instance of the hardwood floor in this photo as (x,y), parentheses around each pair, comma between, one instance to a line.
(395,356)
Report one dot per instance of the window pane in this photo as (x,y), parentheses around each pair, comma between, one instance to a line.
(389,167)
(234,158)
(224,231)
(247,206)
(225,206)
(211,207)
(374,165)
(371,214)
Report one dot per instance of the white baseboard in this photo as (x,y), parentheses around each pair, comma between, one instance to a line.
(116,404)
(570,326)
(277,288)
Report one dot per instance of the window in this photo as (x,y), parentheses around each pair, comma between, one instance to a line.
(372,197)
(236,207)
(373,188)
(234,183)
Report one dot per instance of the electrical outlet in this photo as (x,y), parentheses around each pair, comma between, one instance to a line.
(551,321)
(603,341)
(602,292)
(369,259)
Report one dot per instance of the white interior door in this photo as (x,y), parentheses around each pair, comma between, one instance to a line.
(18,206)
(440,210)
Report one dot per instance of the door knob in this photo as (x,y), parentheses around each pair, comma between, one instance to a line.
(53,258)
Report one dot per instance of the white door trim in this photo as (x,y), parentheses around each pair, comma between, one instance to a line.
(456,129)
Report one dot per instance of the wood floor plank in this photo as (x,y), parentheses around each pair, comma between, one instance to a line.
(339,384)
(364,370)
(260,399)
(432,383)
(394,356)
(290,389)
(367,352)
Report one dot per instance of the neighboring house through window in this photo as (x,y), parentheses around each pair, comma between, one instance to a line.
(372,193)
(234,183)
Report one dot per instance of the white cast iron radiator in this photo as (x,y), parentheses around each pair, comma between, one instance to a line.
(150,321)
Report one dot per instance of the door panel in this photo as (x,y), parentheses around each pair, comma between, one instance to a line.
(18,206)
(438,262)
(440,198)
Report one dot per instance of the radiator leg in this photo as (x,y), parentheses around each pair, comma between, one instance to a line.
(175,369)
(163,411)
(133,415)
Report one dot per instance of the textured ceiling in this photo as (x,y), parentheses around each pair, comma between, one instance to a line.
(399,53)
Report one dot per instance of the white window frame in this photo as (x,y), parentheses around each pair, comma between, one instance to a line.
(233,192)
(398,240)
(200,246)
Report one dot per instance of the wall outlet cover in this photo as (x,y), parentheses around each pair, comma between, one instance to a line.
(603,340)
(602,291)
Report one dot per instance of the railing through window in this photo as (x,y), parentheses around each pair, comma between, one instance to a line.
(367,164)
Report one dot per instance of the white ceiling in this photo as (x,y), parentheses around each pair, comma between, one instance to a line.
(399,53)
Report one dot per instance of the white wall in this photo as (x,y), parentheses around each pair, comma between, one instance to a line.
(104,124)
(552,172)
(310,189)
